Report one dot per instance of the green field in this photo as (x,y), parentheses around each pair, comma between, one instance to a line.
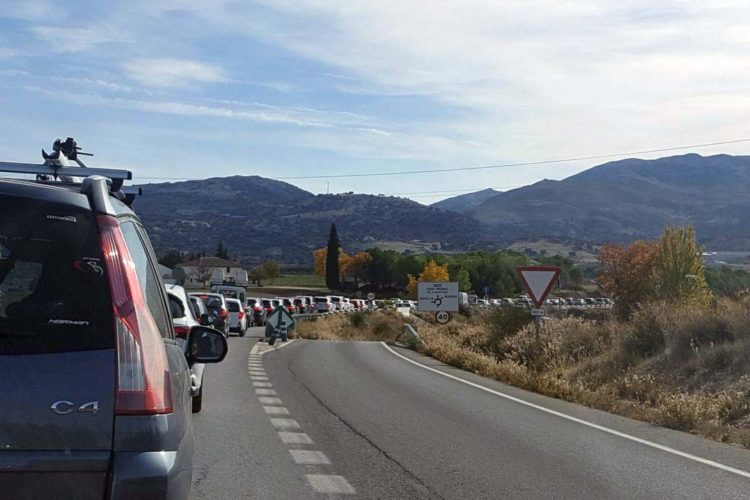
(297,280)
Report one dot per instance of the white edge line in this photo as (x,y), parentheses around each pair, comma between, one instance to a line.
(254,350)
(288,342)
(623,435)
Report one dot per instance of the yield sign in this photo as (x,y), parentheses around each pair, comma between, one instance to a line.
(280,318)
(538,281)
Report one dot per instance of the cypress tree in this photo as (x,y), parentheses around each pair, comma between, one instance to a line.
(332,259)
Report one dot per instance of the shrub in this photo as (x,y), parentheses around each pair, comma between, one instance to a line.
(357,319)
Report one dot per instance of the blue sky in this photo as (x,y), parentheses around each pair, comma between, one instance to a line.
(285,88)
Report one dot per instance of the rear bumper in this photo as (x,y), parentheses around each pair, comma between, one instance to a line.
(149,475)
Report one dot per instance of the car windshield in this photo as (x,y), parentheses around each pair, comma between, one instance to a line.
(233,306)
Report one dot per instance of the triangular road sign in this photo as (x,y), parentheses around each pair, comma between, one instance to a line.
(280,318)
(538,281)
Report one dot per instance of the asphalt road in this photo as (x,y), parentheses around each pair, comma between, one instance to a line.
(355,419)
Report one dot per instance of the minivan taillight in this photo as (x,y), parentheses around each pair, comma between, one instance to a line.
(182,331)
(143,385)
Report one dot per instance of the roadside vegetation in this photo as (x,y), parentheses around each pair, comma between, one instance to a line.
(670,353)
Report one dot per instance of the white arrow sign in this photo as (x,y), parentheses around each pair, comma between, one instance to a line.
(538,281)
(280,318)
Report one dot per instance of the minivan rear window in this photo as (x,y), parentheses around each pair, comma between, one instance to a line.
(54,294)
(233,307)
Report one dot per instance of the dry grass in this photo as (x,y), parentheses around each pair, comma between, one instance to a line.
(682,367)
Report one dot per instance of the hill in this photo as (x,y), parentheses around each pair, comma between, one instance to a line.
(265,219)
(626,200)
(465,202)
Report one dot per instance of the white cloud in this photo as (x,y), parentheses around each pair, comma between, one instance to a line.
(70,39)
(7,53)
(173,72)
(29,10)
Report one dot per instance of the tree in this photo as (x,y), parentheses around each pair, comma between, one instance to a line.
(204,273)
(171,258)
(464,280)
(271,270)
(221,251)
(345,260)
(679,273)
(332,260)
(432,272)
(625,273)
(258,274)
(357,268)
(575,275)
(319,260)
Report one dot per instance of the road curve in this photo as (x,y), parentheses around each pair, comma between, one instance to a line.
(397,430)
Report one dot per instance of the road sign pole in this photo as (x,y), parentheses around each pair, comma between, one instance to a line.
(538,327)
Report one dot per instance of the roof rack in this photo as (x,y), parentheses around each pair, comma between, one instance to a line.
(59,170)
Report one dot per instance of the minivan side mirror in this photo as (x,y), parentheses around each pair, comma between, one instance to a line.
(206,345)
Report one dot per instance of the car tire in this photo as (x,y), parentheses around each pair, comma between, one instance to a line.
(243,332)
(198,401)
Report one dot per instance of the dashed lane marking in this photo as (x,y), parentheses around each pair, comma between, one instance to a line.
(262,384)
(295,438)
(265,392)
(330,484)
(275,410)
(270,401)
(309,457)
(258,378)
(285,423)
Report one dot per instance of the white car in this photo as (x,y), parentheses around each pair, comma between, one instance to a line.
(324,304)
(348,306)
(185,315)
(237,317)
(337,301)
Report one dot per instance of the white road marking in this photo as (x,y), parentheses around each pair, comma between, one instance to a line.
(257,377)
(309,457)
(262,384)
(265,392)
(253,371)
(266,351)
(270,401)
(275,410)
(255,363)
(285,423)
(592,425)
(330,484)
(254,350)
(295,438)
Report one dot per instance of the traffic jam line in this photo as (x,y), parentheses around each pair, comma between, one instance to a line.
(290,431)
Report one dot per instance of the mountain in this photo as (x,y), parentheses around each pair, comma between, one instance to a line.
(629,199)
(265,219)
(465,202)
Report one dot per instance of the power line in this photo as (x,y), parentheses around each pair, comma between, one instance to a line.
(485,167)
(508,165)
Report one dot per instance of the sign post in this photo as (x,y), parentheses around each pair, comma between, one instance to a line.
(440,298)
(538,281)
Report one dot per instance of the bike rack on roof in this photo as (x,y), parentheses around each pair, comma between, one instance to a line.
(58,166)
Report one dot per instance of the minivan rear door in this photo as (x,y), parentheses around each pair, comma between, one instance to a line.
(57,358)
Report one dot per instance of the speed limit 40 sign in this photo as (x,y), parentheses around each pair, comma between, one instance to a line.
(442,317)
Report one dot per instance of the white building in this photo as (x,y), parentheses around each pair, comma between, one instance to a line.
(214,270)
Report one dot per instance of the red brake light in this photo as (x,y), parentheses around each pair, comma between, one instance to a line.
(143,385)
(242,315)
(223,313)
